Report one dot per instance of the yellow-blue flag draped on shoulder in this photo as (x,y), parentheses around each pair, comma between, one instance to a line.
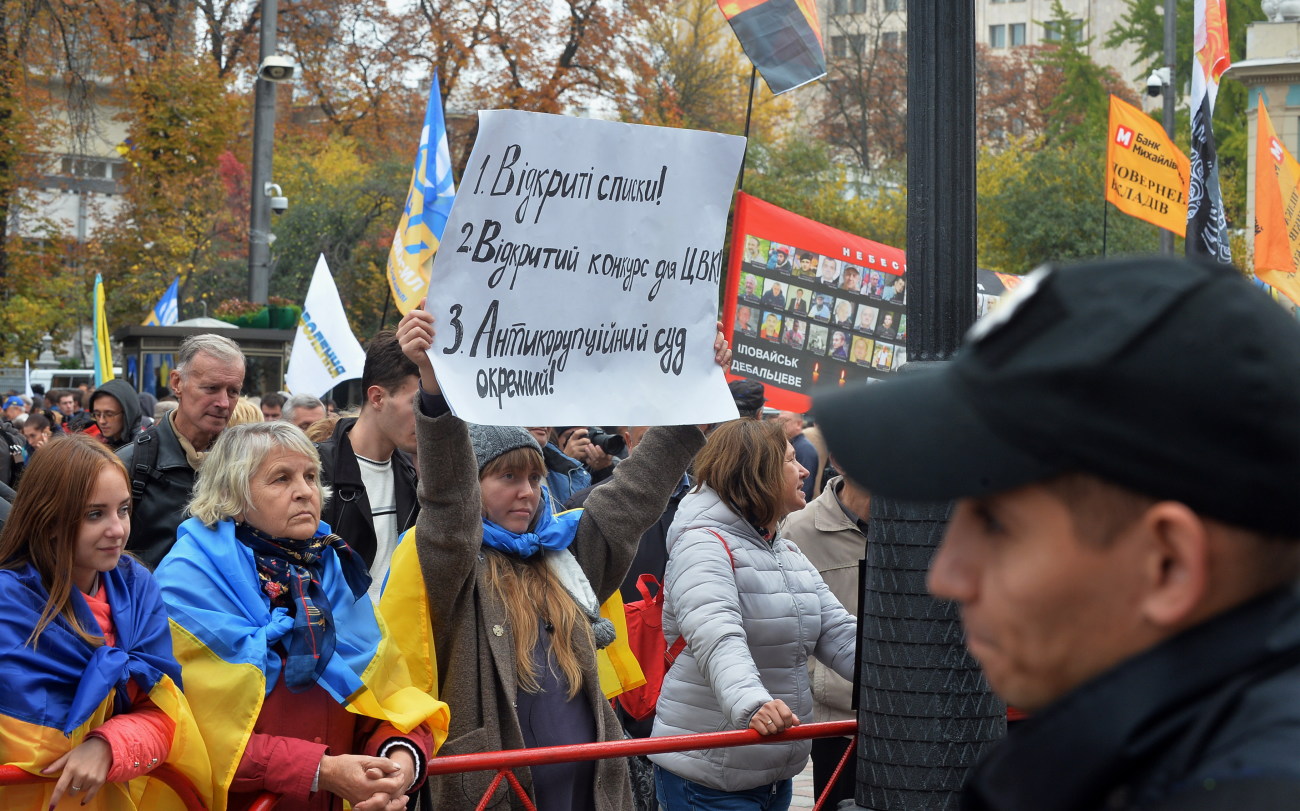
(223,628)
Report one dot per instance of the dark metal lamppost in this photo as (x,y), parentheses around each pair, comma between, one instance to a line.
(924,711)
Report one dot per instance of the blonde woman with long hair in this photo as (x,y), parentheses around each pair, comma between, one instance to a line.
(513,591)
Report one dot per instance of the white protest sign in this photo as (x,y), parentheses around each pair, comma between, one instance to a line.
(577,279)
(325,352)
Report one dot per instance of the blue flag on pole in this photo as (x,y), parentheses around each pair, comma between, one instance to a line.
(428,204)
(164,314)
(167,310)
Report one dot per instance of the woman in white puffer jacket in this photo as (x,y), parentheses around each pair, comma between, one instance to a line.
(752,609)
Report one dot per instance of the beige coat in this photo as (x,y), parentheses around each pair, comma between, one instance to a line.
(472,637)
(831,540)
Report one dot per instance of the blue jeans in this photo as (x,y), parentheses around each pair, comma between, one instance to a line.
(679,794)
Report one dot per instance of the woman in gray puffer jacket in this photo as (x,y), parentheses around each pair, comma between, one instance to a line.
(752,609)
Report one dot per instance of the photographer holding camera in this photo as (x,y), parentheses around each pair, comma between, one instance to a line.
(598,448)
(573,461)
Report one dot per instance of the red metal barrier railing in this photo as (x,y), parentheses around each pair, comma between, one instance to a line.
(503,762)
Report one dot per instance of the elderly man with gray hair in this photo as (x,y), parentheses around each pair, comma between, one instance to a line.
(302,410)
(164,459)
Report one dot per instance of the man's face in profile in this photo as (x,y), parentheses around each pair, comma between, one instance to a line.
(1043,609)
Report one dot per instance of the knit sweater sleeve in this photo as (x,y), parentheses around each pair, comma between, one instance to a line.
(621,510)
(449,530)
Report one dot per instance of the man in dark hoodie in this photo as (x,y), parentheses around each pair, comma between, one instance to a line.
(115,406)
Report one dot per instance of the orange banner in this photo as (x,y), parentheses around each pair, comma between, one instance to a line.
(1146,174)
(1277,210)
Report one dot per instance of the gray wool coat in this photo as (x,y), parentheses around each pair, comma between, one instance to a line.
(751,623)
(472,637)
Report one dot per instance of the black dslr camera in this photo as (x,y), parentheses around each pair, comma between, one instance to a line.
(611,444)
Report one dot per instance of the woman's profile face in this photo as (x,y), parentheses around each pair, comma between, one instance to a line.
(510,498)
(105,523)
(793,475)
(285,496)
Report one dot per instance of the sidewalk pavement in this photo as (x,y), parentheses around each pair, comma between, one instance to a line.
(803,789)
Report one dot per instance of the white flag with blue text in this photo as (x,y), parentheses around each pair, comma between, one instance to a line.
(325,352)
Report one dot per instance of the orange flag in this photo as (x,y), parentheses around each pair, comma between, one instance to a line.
(1146,174)
(1277,210)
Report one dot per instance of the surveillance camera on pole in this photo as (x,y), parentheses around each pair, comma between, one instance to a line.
(1157,82)
(279,203)
(277,68)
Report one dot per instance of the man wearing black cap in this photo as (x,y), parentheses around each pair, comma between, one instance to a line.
(1122,442)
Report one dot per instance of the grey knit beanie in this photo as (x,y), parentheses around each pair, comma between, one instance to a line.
(490,441)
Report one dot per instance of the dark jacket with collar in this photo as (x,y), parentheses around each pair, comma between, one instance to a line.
(160,491)
(348,510)
(1207,719)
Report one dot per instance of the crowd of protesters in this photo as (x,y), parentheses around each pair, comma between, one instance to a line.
(265,595)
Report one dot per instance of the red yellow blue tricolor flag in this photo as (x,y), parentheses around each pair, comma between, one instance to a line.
(428,203)
(781,37)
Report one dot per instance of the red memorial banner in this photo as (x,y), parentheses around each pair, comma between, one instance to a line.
(809,306)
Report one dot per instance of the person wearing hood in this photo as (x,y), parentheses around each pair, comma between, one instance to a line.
(115,407)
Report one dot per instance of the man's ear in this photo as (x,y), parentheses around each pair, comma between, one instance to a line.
(1176,563)
(375,397)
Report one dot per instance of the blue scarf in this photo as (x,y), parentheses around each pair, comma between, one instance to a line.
(552,532)
(290,573)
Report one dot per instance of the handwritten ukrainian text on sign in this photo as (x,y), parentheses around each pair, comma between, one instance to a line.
(577,280)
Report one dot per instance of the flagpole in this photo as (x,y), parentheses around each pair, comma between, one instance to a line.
(749,112)
(1171,38)
(1105,224)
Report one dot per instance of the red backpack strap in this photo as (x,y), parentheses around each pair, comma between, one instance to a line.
(676,649)
(680,644)
(728,548)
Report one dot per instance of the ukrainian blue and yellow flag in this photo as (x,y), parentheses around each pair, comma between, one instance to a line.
(405,604)
(103,353)
(223,630)
(164,314)
(428,204)
(64,688)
